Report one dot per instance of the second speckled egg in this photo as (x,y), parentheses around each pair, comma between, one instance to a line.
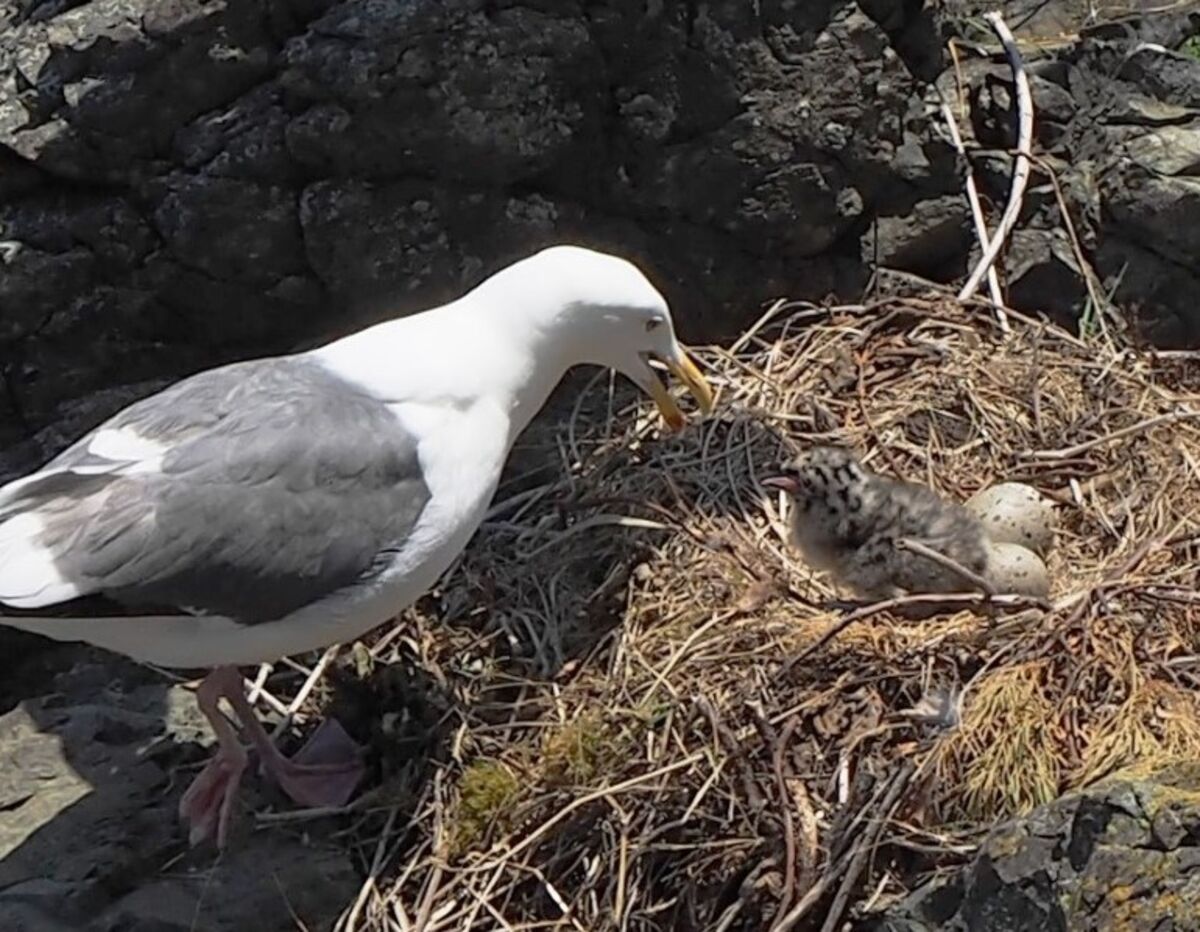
(1013,569)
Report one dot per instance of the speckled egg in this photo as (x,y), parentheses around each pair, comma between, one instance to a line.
(1015,513)
(1016,570)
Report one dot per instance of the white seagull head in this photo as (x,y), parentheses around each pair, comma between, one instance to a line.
(599,309)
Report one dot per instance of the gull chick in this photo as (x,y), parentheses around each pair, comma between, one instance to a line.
(852,523)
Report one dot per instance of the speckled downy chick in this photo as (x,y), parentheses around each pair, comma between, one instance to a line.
(847,521)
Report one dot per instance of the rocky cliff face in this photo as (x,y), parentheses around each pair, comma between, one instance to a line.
(1120,855)
(188,182)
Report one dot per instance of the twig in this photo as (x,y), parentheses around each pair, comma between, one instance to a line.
(1020,179)
(303,693)
(1148,424)
(814,894)
(789,831)
(794,879)
(854,854)
(370,885)
(866,845)
(585,800)
(1118,575)
(260,680)
(981,230)
(1085,267)
(733,751)
(745,895)
(915,546)
(955,599)
(597,521)
(434,880)
(1036,390)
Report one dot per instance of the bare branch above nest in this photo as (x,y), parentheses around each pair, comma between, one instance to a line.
(981,230)
(949,601)
(1020,179)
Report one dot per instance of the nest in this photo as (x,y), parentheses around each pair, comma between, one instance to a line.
(653,716)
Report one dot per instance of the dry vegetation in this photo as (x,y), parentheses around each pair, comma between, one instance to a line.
(637,710)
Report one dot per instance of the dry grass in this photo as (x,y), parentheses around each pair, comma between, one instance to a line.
(630,741)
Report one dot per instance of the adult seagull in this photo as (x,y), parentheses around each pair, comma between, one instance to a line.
(284,504)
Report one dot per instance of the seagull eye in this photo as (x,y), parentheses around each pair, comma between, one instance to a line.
(653,324)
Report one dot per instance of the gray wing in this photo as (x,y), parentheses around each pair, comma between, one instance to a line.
(278,484)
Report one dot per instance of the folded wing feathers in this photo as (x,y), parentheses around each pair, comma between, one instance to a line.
(29,577)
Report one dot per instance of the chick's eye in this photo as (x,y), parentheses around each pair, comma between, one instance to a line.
(653,324)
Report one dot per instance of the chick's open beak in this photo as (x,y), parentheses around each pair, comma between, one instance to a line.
(681,366)
(786,483)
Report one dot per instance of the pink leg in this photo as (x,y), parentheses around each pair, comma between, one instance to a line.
(208,802)
(324,772)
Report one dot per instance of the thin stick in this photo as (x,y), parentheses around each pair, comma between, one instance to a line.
(533,837)
(898,784)
(915,546)
(964,599)
(789,831)
(437,855)
(1021,172)
(265,696)
(1085,268)
(1036,391)
(309,684)
(264,670)
(981,230)
(1131,563)
(1148,424)
(815,892)
(851,856)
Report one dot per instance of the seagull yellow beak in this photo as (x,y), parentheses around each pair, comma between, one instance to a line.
(681,366)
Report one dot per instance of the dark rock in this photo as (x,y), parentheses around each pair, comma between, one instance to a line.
(89,102)
(197,183)
(931,239)
(1148,288)
(1118,115)
(1120,854)
(449,90)
(88,792)
(1043,274)
(183,183)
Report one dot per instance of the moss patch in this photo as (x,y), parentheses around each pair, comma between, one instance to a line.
(581,750)
(488,791)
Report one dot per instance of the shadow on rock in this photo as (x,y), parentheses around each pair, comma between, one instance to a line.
(91,771)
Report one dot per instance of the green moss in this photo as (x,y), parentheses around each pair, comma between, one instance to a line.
(487,791)
(582,750)
(1162,784)
(1191,47)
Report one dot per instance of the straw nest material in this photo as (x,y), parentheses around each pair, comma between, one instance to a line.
(653,716)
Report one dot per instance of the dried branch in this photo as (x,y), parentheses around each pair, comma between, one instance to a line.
(977,581)
(981,231)
(866,843)
(955,601)
(1021,170)
(1140,427)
